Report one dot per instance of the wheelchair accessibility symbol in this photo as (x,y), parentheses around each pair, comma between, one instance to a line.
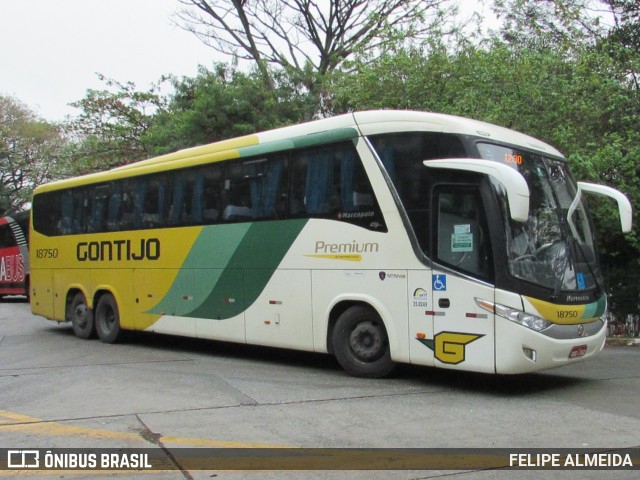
(439,283)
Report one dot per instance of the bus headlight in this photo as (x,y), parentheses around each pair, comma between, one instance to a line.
(517,316)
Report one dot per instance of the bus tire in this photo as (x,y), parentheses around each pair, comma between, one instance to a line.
(81,317)
(107,319)
(360,343)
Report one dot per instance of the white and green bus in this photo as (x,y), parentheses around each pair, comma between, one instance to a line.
(379,237)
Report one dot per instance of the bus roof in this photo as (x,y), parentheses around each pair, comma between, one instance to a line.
(315,132)
(439,122)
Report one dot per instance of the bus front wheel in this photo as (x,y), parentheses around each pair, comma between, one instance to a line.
(107,319)
(360,343)
(81,317)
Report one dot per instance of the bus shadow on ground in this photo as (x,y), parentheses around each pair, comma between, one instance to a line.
(239,351)
(503,385)
(483,383)
(480,383)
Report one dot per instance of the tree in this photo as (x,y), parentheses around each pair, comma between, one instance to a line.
(627,22)
(305,38)
(109,130)
(563,23)
(623,41)
(221,104)
(30,150)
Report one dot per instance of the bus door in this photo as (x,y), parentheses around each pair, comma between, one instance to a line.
(460,243)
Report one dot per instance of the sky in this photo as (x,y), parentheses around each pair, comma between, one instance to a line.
(51,50)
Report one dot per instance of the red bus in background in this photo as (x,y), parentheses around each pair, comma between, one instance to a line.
(14,254)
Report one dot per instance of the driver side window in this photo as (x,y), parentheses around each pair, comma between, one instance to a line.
(462,237)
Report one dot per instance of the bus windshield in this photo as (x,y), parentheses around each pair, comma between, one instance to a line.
(549,249)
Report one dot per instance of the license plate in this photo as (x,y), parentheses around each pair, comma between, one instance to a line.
(579,351)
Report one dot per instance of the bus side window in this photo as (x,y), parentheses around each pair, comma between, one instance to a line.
(186,195)
(297,205)
(133,192)
(154,202)
(212,191)
(237,197)
(72,206)
(114,217)
(320,192)
(402,156)
(98,197)
(330,182)
(462,238)
(46,213)
(267,187)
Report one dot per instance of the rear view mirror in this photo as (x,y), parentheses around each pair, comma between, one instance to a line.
(514,183)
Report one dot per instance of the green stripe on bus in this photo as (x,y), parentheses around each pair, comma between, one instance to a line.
(249,269)
(211,251)
(230,266)
(596,309)
(329,136)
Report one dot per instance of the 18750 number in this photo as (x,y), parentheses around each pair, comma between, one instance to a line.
(47,253)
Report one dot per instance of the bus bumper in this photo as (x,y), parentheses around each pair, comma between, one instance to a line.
(521,350)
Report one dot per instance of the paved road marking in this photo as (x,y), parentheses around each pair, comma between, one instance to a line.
(17,422)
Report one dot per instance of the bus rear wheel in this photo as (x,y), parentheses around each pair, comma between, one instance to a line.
(81,317)
(360,343)
(107,319)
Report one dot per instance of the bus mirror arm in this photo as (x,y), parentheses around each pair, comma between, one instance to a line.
(624,205)
(512,180)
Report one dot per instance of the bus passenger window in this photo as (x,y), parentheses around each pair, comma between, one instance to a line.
(47,212)
(98,208)
(263,177)
(297,204)
(72,203)
(236,195)
(154,203)
(255,189)
(330,182)
(185,195)
(114,217)
(320,192)
(212,204)
(133,193)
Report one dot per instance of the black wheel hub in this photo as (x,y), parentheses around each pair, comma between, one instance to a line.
(366,341)
(80,316)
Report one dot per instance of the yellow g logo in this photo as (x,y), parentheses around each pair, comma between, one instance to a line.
(449,347)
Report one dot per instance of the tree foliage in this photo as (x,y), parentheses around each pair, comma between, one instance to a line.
(220,104)
(563,23)
(30,149)
(112,124)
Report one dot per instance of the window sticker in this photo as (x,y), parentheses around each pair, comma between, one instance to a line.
(462,239)
(459,229)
